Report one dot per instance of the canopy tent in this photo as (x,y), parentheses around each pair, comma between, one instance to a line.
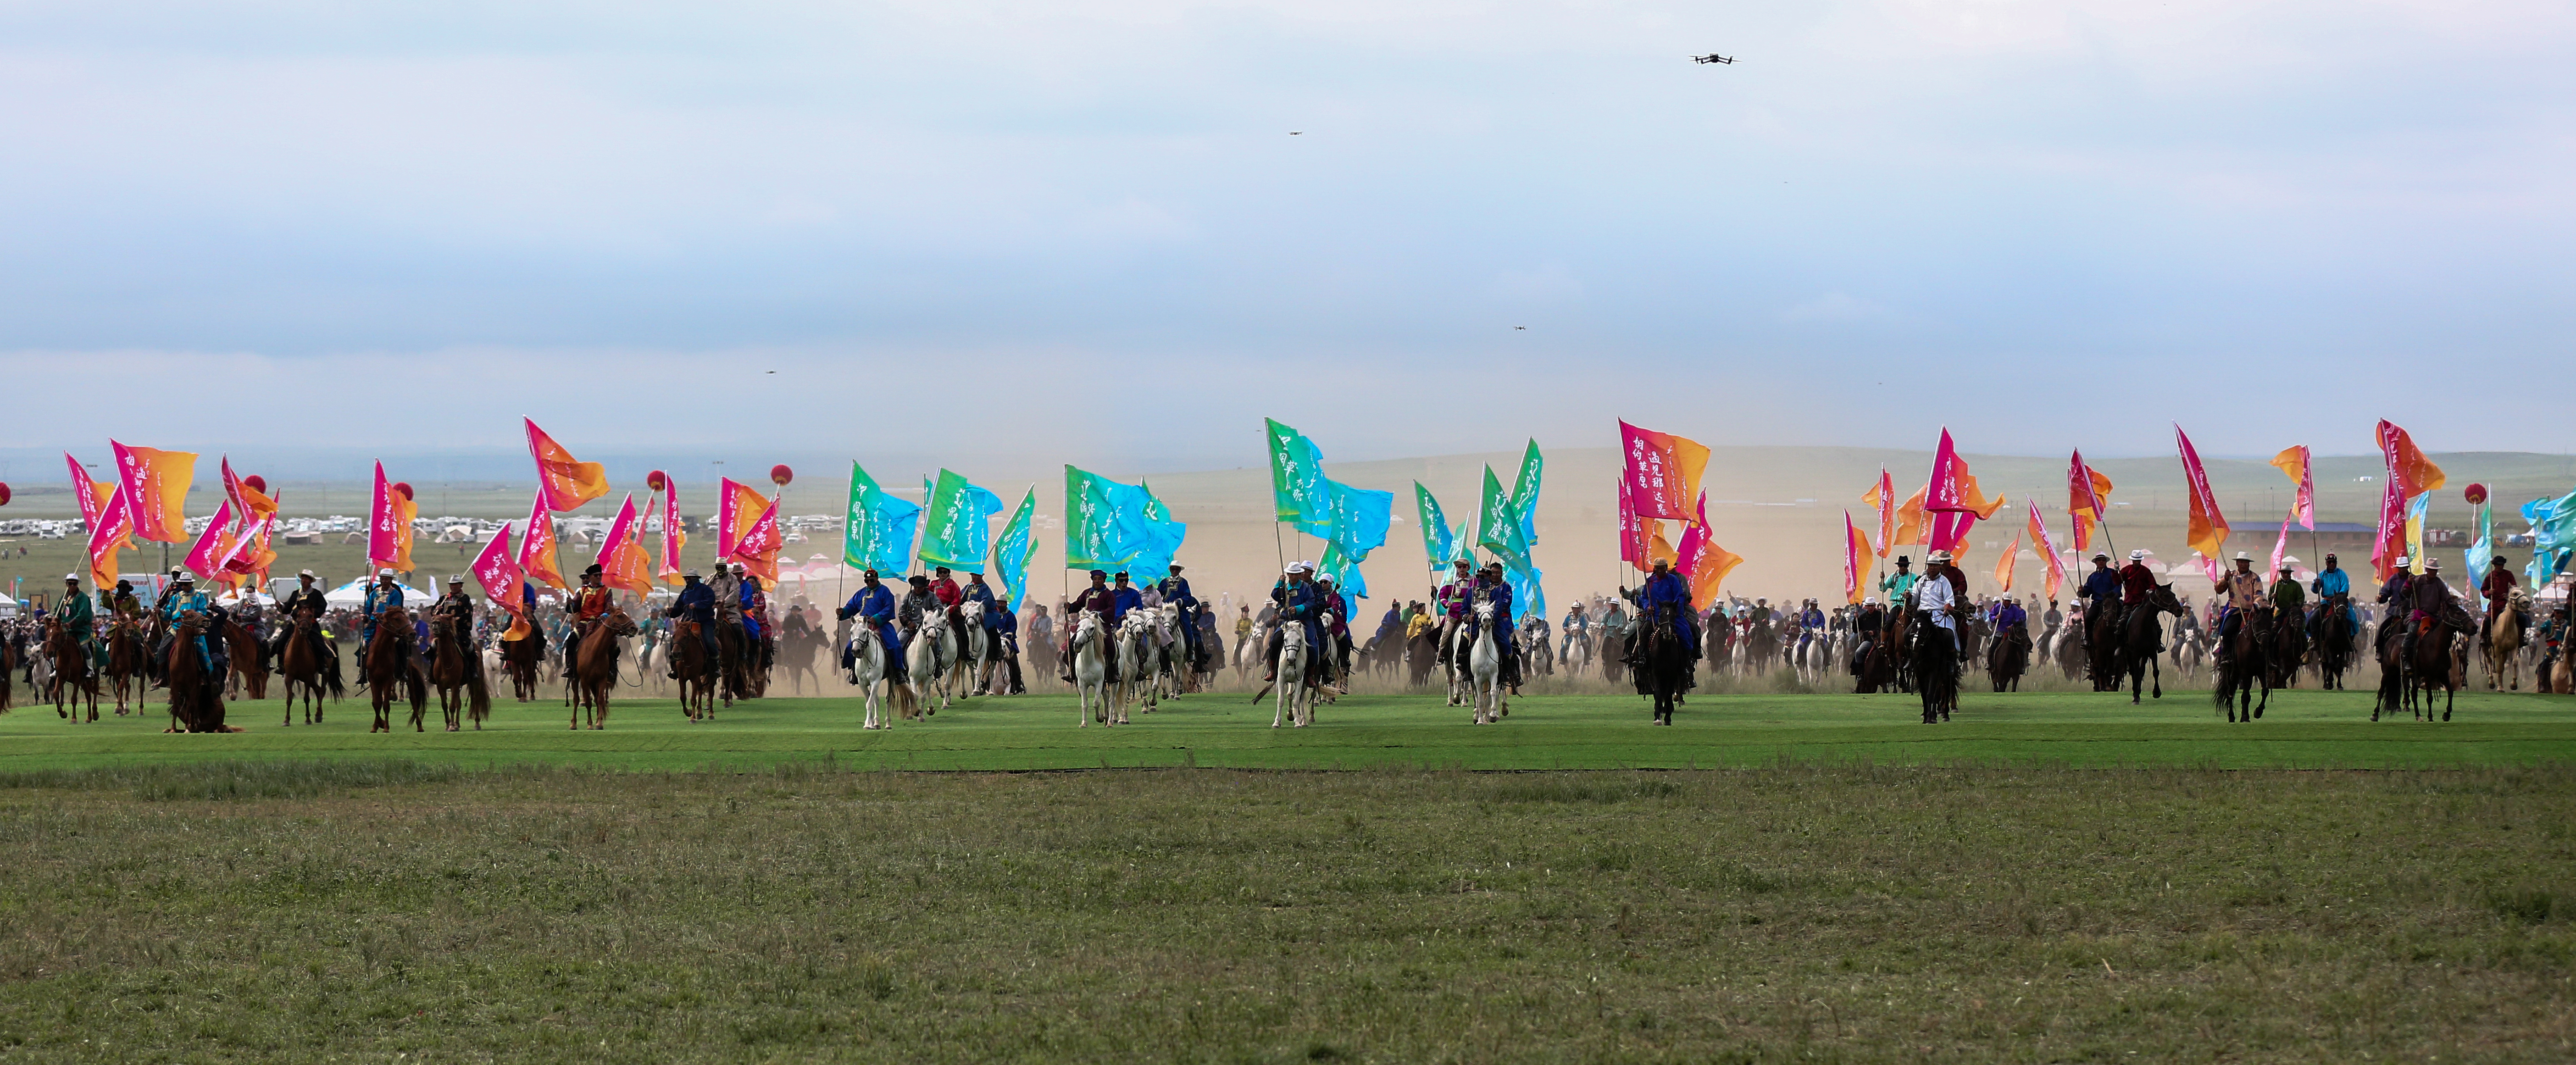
(354,595)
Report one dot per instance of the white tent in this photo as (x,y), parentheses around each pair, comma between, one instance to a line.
(354,594)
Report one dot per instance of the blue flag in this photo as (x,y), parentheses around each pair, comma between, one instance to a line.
(1526,592)
(1358,520)
(879,529)
(1011,559)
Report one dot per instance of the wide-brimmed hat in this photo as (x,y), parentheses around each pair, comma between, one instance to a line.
(2243,557)
(384,573)
(308,573)
(72,577)
(1902,560)
(1939,556)
(1300,567)
(456,579)
(187,578)
(689,576)
(2432,564)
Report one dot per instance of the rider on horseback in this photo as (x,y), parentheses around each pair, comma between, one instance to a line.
(2499,588)
(2289,600)
(590,602)
(458,609)
(1899,584)
(697,601)
(2393,592)
(1176,589)
(1098,599)
(382,596)
(304,597)
(183,598)
(1492,588)
(1938,599)
(77,621)
(873,605)
(2333,588)
(2242,591)
(2430,603)
(1297,601)
(1665,595)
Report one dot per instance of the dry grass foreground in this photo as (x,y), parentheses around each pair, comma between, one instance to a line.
(365,910)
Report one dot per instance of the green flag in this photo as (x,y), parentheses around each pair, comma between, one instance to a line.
(1437,543)
(1525,493)
(1498,529)
(879,528)
(1297,488)
(960,529)
(1011,557)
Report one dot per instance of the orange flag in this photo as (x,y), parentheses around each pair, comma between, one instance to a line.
(1911,528)
(2208,527)
(565,483)
(155,484)
(1855,549)
(2414,474)
(1658,548)
(106,538)
(389,532)
(1881,497)
(2004,565)
(2047,547)
(1701,560)
(249,504)
(214,545)
(537,548)
(2294,462)
(623,561)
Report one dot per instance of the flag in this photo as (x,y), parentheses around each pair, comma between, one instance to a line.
(1161,537)
(498,573)
(1954,499)
(623,562)
(566,484)
(1525,493)
(1911,528)
(2483,547)
(1497,528)
(1011,557)
(1344,571)
(252,553)
(738,509)
(1297,489)
(2280,547)
(1359,518)
(2390,540)
(1855,548)
(2553,537)
(758,547)
(389,530)
(95,498)
(2087,491)
(2414,474)
(1881,498)
(1529,595)
(2004,565)
(878,532)
(1637,534)
(674,536)
(206,559)
(249,504)
(959,532)
(106,538)
(2294,462)
(1437,545)
(537,547)
(1662,471)
(1700,560)
(155,485)
(1106,525)
(2208,533)
(1659,548)
(2415,533)
(2047,546)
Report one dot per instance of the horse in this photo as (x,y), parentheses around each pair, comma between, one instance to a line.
(2007,658)
(2068,651)
(2190,652)
(2104,639)
(389,662)
(2389,645)
(595,666)
(1295,702)
(461,691)
(867,670)
(698,674)
(305,670)
(1878,670)
(2289,650)
(196,697)
(966,620)
(733,671)
(249,665)
(2334,644)
(1137,676)
(73,682)
(1665,665)
(980,653)
(1091,673)
(1485,668)
(520,659)
(2243,667)
(2439,662)
(1461,639)
(124,661)
(1761,646)
(797,643)
(1577,654)
(2140,626)
(1614,655)
(933,652)
(1936,667)
(2504,644)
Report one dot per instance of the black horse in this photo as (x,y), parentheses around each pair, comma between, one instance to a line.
(1936,667)
(1664,663)
(2243,667)
(2142,631)
(2334,643)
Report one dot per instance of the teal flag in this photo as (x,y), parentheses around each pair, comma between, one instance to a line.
(1498,529)
(1438,545)
(1528,598)
(1525,493)
(1106,523)
(1297,489)
(2553,537)
(878,532)
(1162,539)
(1011,559)
(959,531)
(2483,547)
(1358,519)
(1344,572)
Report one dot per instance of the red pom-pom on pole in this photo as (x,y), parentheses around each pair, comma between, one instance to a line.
(2477,493)
(657,480)
(404,488)
(256,483)
(4,494)
(779,475)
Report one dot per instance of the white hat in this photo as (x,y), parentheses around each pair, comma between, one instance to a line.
(456,578)
(1939,556)
(2402,560)
(1871,601)
(2243,557)
(384,573)
(2139,555)
(1300,567)
(71,576)
(693,573)
(737,567)
(310,573)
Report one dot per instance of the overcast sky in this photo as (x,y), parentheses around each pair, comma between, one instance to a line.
(1087,222)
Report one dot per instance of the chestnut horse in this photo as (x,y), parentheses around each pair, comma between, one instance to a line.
(124,661)
(390,662)
(196,695)
(72,678)
(595,666)
(307,670)
(249,665)
(461,692)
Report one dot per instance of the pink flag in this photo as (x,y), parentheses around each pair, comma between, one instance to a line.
(537,547)
(498,572)
(672,537)
(1886,511)
(2391,540)
(1662,471)
(2280,545)
(2047,545)
(251,554)
(206,559)
(2208,531)
(105,539)
(622,561)
(1942,492)
(1950,529)
(1855,548)
(249,504)
(384,519)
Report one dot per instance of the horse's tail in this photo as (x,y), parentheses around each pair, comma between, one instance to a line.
(478,697)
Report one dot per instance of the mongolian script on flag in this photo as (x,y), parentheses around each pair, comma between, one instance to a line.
(1662,472)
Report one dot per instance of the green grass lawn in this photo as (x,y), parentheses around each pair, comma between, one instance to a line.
(2303,729)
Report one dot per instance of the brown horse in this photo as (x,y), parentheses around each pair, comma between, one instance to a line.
(124,661)
(2244,669)
(72,678)
(196,695)
(696,669)
(8,666)
(461,692)
(248,665)
(307,670)
(520,658)
(2008,658)
(390,662)
(2440,662)
(595,666)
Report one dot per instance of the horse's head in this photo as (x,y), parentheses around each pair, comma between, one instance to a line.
(617,623)
(973,611)
(1086,629)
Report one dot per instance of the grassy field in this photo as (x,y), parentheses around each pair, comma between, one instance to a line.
(401,911)
(2303,729)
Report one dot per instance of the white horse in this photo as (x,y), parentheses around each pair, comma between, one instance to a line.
(1296,699)
(1485,668)
(934,650)
(1137,676)
(974,650)
(1461,686)
(1091,673)
(867,669)
(1812,661)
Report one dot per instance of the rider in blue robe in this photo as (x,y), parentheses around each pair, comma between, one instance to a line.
(873,604)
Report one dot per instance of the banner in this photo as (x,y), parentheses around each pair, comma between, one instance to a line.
(389,530)
(2004,565)
(674,536)
(1152,559)
(2414,474)
(1881,498)
(1011,557)
(1438,547)
(879,529)
(566,484)
(2415,533)
(1911,526)
(253,551)
(2294,462)
(623,562)
(1637,534)
(2087,491)
(1855,548)
(2482,548)
(155,486)
(1529,594)
(1700,561)
(1344,572)
(959,532)
(2280,548)
(107,538)
(2208,534)
(1525,493)
(1106,524)
(498,573)
(206,558)
(738,509)
(1662,471)
(1297,489)
(2553,537)
(1498,529)
(2390,539)
(96,499)
(249,504)
(537,547)
(2047,546)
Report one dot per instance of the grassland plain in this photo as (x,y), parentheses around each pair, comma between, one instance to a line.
(400,911)
(2303,729)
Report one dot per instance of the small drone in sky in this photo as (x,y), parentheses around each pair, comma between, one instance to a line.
(1713,58)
